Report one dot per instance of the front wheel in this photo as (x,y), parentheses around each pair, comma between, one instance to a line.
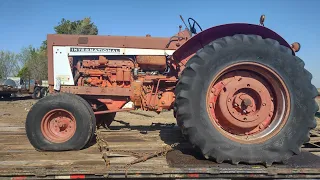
(246,99)
(60,122)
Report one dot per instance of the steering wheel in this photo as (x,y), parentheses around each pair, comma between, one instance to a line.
(192,28)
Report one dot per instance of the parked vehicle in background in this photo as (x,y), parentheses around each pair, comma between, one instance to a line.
(37,88)
(7,87)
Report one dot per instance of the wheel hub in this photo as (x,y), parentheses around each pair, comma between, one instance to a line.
(242,102)
(58,125)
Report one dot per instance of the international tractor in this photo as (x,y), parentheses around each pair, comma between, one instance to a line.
(238,91)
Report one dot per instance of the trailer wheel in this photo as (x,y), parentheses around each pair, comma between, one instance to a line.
(43,92)
(246,99)
(59,122)
(36,93)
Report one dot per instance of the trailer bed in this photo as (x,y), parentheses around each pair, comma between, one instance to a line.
(130,140)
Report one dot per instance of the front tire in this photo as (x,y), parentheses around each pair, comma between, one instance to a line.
(59,122)
(215,109)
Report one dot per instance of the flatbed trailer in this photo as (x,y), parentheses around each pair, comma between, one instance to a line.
(137,152)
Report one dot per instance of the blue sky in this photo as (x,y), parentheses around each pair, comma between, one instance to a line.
(24,23)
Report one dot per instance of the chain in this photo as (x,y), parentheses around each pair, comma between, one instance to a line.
(161,152)
(141,157)
(103,147)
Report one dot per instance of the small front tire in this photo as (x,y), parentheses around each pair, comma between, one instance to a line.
(59,122)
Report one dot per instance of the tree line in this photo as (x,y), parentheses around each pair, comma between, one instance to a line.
(32,62)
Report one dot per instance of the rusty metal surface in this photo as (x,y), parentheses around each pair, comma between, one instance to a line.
(58,126)
(84,90)
(115,110)
(110,41)
(205,37)
(103,72)
(152,62)
(295,46)
(242,104)
(115,41)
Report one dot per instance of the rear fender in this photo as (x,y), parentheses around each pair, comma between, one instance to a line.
(205,37)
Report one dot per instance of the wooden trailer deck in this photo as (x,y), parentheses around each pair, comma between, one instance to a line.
(129,141)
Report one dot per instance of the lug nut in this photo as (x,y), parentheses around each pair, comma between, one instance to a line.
(210,105)
(261,126)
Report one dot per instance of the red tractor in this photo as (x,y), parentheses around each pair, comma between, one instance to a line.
(238,91)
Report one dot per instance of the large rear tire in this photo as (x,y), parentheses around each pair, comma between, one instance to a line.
(246,99)
(59,122)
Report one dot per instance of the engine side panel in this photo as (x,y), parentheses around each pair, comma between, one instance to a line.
(205,37)
(62,71)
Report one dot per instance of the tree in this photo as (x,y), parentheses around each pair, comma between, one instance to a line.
(35,60)
(82,27)
(35,64)
(8,64)
(23,72)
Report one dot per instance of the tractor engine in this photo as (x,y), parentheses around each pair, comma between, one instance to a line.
(103,72)
(144,75)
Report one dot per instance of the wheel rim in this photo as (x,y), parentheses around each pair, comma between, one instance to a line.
(58,126)
(248,102)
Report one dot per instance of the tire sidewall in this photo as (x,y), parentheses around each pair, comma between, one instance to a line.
(75,107)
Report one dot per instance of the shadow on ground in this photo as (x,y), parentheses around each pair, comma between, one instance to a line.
(184,155)
(18,98)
